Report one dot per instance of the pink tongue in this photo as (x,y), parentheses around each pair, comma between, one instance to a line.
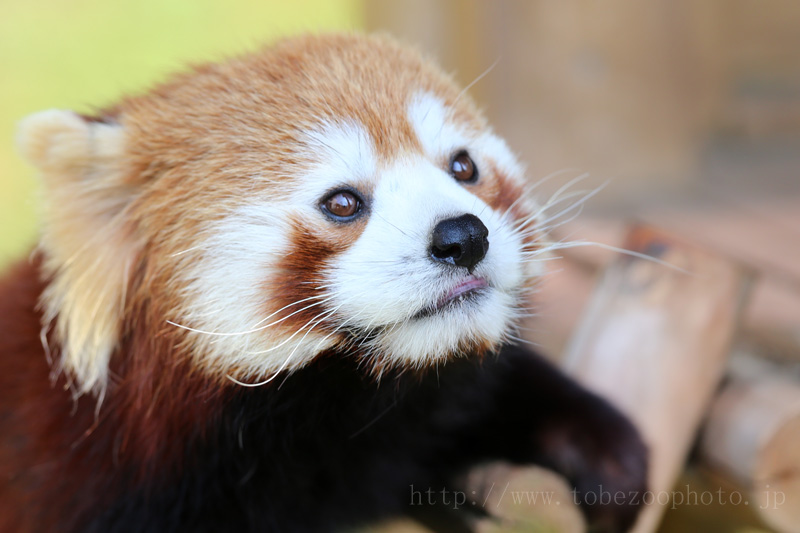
(468,285)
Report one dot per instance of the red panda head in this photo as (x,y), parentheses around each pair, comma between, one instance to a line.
(329,194)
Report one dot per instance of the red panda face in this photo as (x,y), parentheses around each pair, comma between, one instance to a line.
(329,195)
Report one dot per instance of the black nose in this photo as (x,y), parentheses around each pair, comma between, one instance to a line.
(460,241)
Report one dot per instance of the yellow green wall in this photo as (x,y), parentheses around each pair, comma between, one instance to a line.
(84,54)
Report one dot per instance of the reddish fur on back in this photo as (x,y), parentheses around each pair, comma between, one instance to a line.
(155,406)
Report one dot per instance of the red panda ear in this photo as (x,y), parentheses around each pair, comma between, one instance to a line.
(88,243)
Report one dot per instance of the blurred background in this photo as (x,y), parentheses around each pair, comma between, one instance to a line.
(688,113)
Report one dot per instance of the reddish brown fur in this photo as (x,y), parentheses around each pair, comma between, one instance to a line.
(155,405)
(298,276)
(252,113)
(182,181)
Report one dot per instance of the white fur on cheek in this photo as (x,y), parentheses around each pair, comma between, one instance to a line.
(226,305)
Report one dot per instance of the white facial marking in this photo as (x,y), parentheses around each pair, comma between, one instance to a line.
(231,324)
(227,307)
(384,287)
(337,154)
(441,136)
(387,277)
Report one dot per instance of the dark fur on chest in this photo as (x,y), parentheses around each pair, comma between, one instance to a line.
(324,447)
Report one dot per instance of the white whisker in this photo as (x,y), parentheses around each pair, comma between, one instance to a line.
(476,80)
(623,251)
(275,374)
(260,328)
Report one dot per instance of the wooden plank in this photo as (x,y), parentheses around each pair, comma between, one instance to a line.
(752,434)
(654,341)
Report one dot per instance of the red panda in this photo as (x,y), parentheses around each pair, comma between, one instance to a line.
(274,293)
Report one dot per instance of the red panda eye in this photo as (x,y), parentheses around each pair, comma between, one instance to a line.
(463,168)
(342,204)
